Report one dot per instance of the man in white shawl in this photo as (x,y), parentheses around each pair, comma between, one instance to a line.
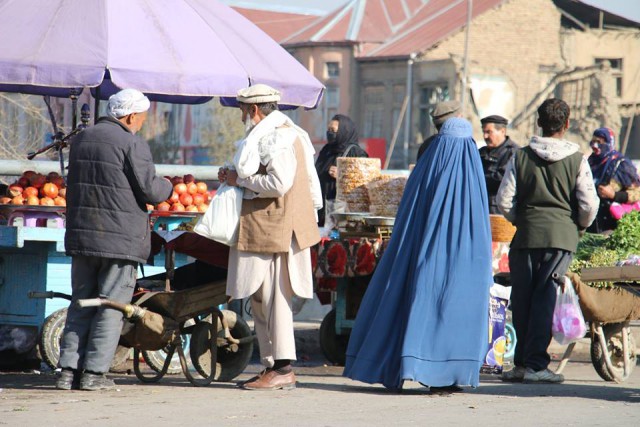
(272,262)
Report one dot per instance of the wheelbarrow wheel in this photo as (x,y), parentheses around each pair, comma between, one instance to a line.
(613,338)
(333,346)
(155,358)
(232,359)
(51,337)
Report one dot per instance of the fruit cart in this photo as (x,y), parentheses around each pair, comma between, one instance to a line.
(32,259)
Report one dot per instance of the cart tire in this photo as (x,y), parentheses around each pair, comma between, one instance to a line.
(613,338)
(155,358)
(510,335)
(51,337)
(334,346)
(231,359)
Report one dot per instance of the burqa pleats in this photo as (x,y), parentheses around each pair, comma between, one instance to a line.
(424,316)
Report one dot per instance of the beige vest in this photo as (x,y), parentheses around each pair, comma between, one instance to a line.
(267,225)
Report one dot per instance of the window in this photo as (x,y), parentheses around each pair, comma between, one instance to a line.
(616,72)
(331,102)
(399,93)
(373,111)
(429,97)
(333,69)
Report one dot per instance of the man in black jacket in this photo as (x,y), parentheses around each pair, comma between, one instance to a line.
(495,155)
(111,179)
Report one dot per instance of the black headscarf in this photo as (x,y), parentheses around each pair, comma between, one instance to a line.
(346,138)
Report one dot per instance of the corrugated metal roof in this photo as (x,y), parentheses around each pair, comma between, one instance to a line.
(277,25)
(438,20)
(364,21)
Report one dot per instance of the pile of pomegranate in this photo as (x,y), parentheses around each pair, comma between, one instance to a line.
(36,189)
(188,195)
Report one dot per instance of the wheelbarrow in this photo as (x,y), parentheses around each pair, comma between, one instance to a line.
(609,312)
(162,322)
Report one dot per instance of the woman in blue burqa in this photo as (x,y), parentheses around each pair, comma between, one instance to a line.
(424,316)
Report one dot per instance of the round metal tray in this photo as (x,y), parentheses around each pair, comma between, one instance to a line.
(349,216)
(9,209)
(380,220)
(177,214)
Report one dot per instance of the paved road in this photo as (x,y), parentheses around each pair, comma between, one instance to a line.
(323,398)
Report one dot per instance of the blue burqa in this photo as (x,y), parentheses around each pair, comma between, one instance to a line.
(424,316)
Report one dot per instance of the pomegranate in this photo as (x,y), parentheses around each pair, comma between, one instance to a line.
(180,188)
(30,191)
(186,199)
(202,207)
(60,201)
(177,207)
(188,178)
(28,174)
(191,208)
(202,187)
(38,180)
(177,180)
(164,206)
(47,201)
(5,200)
(17,200)
(62,192)
(198,199)
(192,188)
(175,198)
(33,200)
(49,190)
(23,182)
(15,190)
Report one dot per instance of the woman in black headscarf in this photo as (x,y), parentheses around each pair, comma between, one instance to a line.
(342,141)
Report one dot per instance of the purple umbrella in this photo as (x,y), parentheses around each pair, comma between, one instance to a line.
(180,51)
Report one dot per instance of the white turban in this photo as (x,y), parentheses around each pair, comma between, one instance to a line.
(127,101)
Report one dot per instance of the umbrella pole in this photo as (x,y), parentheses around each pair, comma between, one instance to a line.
(74,109)
(96,106)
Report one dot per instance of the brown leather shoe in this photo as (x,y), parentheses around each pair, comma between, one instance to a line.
(272,380)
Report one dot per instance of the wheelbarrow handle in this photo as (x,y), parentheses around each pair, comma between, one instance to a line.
(48,294)
(93,302)
(130,311)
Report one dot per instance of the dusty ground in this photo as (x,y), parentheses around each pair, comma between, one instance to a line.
(323,398)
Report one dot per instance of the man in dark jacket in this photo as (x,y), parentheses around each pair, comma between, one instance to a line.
(111,179)
(495,155)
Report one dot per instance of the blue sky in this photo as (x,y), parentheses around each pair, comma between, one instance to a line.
(626,8)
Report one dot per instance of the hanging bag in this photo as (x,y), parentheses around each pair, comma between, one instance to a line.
(568,322)
(221,221)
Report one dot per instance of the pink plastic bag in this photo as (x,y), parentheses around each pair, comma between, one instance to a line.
(568,322)
(618,210)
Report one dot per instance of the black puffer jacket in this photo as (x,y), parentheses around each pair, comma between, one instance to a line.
(111,179)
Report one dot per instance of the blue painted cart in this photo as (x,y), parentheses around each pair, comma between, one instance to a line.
(32,259)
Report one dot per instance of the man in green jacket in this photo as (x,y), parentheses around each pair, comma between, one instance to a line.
(549,195)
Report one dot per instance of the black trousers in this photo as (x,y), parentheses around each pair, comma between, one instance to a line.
(533,297)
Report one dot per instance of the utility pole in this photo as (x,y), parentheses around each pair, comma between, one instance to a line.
(465,74)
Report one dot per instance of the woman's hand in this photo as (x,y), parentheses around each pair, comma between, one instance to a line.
(333,172)
(606,192)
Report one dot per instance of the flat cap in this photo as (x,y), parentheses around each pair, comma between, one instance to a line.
(443,111)
(494,119)
(258,94)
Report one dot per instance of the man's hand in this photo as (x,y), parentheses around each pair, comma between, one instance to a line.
(333,172)
(232,178)
(606,192)
(222,174)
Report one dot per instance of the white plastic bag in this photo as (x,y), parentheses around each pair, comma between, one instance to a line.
(568,322)
(222,219)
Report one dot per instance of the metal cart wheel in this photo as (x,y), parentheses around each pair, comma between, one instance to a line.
(155,358)
(51,337)
(333,346)
(613,338)
(232,359)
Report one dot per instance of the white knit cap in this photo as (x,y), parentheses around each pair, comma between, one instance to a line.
(258,94)
(127,101)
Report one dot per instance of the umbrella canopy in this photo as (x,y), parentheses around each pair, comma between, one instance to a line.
(179,51)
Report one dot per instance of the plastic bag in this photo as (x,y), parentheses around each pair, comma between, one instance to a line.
(222,219)
(568,322)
